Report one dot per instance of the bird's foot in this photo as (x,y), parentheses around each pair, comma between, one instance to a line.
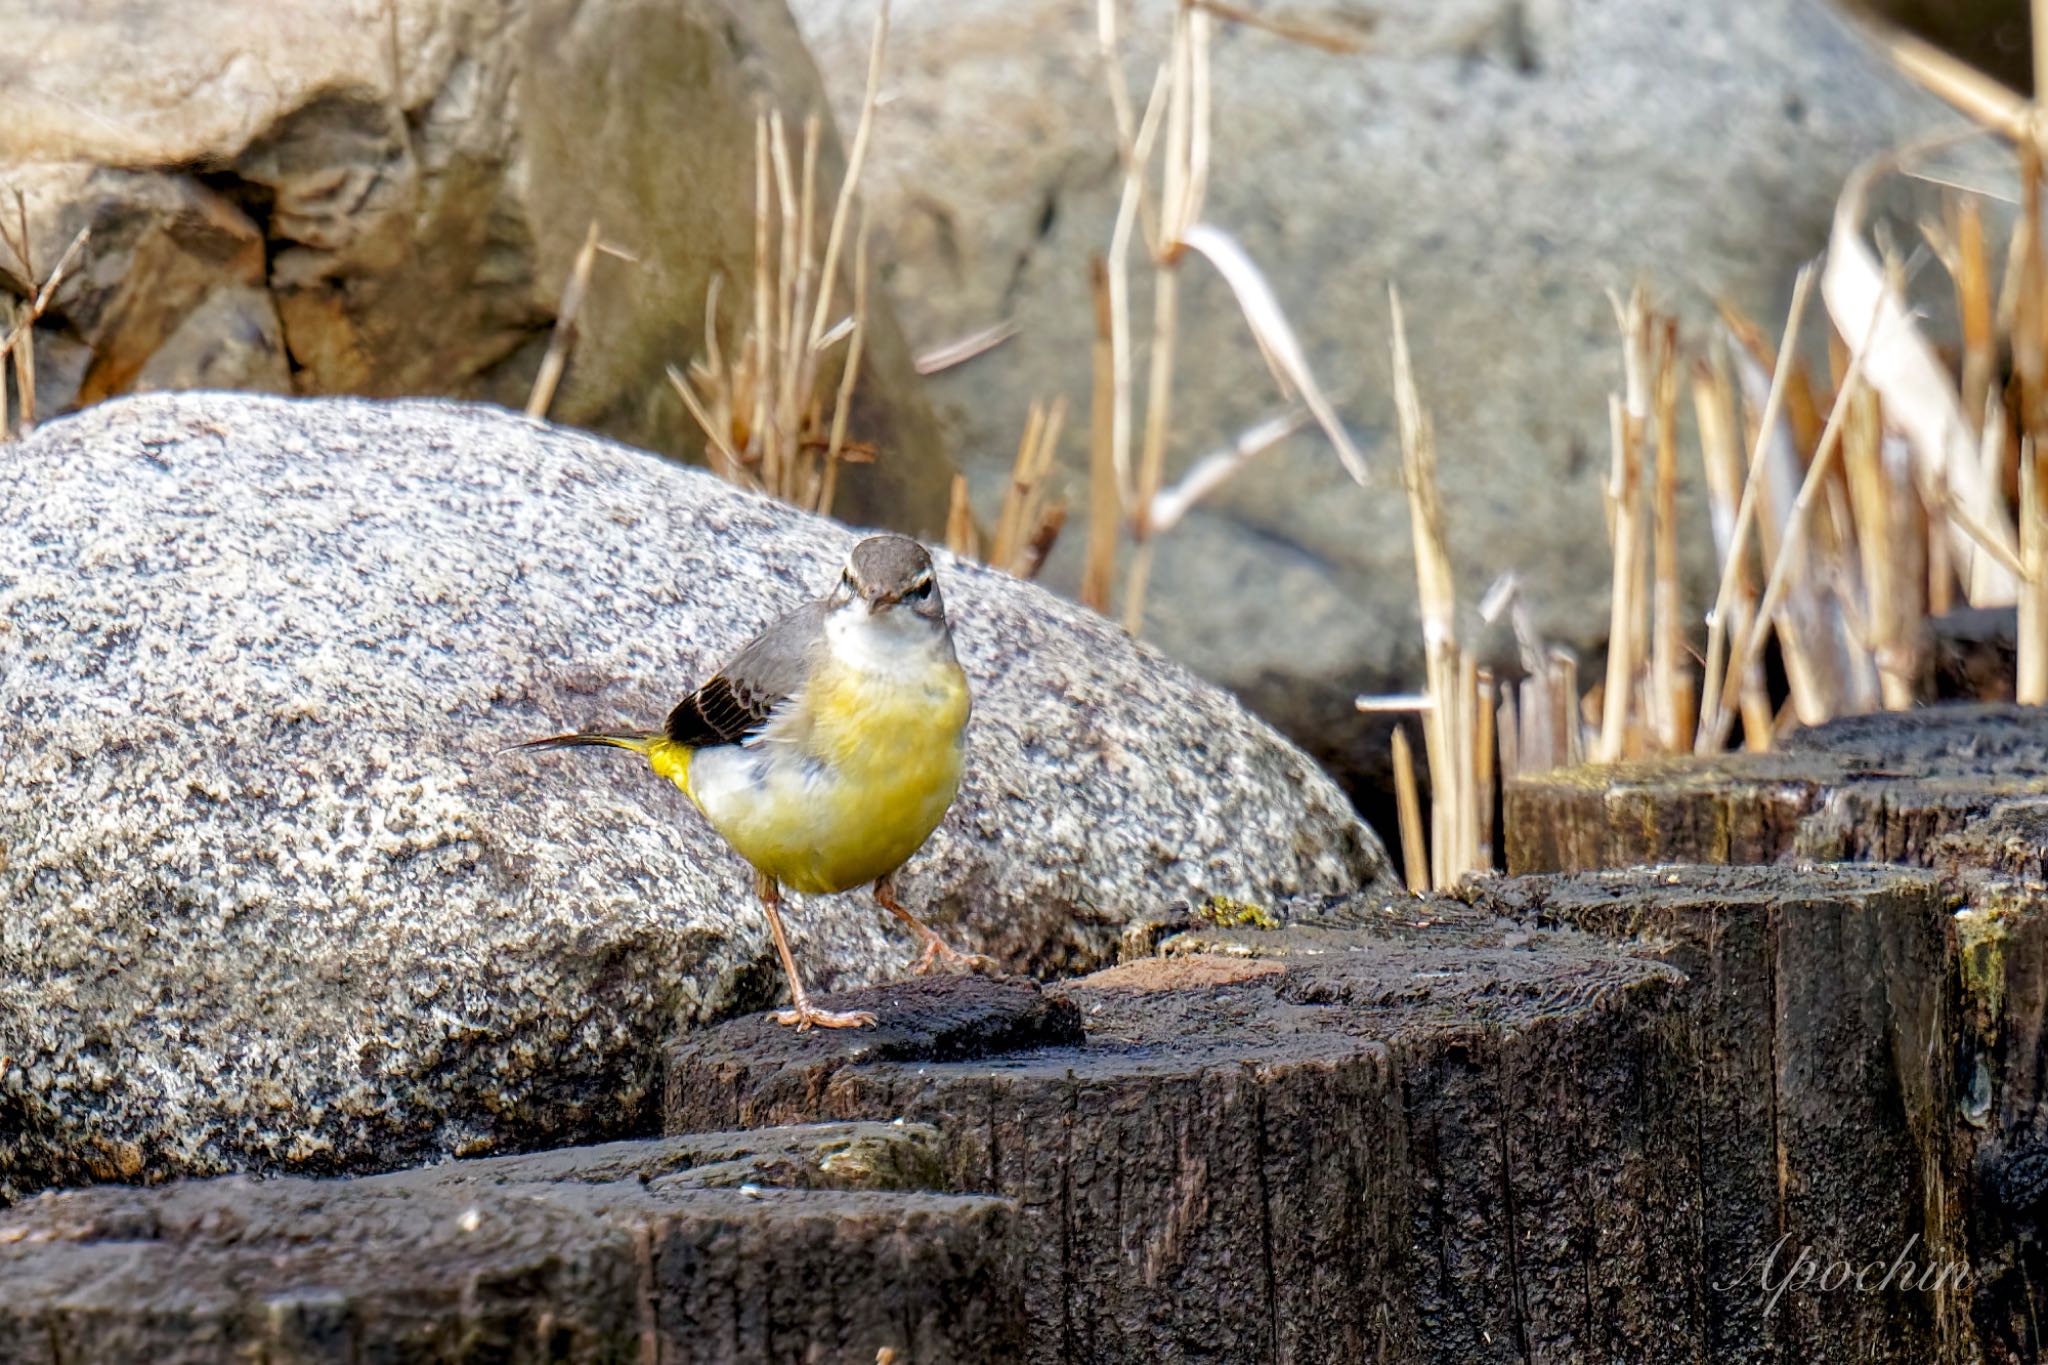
(938,955)
(807,1016)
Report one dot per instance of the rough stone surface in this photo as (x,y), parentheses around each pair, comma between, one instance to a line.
(1503,161)
(387,199)
(270,896)
(662,1250)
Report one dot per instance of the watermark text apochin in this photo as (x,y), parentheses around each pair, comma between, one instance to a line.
(1800,1270)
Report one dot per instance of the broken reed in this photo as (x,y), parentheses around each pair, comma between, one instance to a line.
(19,317)
(1029,520)
(1167,216)
(1832,540)
(764,419)
(762,412)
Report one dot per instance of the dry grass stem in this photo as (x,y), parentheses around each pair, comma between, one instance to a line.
(1486,702)
(856,159)
(725,460)
(2031,688)
(19,346)
(1449,726)
(1671,688)
(1129,210)
(1624,498)
(1920,399)
(1104,502)
(1508,730)
(1337,44)
(1020,535)
(849,375)
(1276,339)
(1395,703)
(564,337)
(1178,118)
(1788,556)
(1714,715)
(960,537)
(1971,91)
(1218,467)
(963,349)
(1408,805)
(762,412)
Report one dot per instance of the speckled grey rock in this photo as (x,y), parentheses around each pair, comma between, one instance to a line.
(270,896)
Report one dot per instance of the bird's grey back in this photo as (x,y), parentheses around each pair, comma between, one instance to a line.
(739,699)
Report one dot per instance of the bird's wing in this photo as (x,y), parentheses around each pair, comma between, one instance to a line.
(739,700)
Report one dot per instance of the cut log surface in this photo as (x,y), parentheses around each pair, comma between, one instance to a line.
(1407,1132)
(1877,788)
(647,1251)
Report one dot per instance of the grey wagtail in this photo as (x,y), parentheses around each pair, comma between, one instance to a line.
(829,748)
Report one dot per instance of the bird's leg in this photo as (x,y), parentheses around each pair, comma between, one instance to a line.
(936,949)
(805,1014)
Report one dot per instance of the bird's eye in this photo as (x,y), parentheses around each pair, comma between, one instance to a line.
(919,590)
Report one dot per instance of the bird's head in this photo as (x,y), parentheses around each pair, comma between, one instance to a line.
(890,576)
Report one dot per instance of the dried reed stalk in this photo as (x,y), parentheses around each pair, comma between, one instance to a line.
(1788,557)
(1026,524)
(849,375)
(1408,806)
(1508,728)
(1624,499)
(1181,107)
(1671,687)
(960,537)
(1920,398)
(2031,688)
(19,345)
(1890,597)
(1447,725)
(939,359)
(762,414)
(563,338)
(1104,503)
(1714,715)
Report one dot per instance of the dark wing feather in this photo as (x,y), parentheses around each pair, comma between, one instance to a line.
(739,700)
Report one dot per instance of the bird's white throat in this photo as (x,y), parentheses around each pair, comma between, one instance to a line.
(895,642)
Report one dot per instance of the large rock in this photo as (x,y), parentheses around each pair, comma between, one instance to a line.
(1503,162)
(270,896)
(387,200)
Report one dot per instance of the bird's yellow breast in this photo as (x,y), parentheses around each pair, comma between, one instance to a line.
(847,785)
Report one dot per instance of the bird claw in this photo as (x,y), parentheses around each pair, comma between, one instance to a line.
(805,1017)
(937,953)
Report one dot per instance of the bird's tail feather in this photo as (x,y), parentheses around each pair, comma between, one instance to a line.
(670,759)
(639,744)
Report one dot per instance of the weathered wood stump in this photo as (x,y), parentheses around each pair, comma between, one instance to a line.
(1448,1141)
(634,1251)
(1959,788)
(1820,1028)
(1997,866)
(1876,788)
